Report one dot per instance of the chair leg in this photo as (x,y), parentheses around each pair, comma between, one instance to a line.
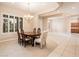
(41,45)
(45,43)
(19,42)
(34,44)
(24,43)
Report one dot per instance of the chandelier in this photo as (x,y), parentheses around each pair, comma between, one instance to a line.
(28,16)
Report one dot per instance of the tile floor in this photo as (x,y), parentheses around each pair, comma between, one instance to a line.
(13,49)
(58,45)
(69,47)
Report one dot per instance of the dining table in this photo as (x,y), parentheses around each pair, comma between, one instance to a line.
(32,35)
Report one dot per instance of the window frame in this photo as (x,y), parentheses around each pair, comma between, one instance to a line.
(14,20)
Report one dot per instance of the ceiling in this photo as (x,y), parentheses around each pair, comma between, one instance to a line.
(66,9)
(46,8)
(35,7)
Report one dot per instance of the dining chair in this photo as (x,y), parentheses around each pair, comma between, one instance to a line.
(34,30)
(41,40)
(19,37)
(39,32)
(25,39)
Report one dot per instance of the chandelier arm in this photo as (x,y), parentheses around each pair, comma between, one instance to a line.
(29,16)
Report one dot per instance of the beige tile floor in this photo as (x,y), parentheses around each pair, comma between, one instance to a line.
(60,45)
(13,49)
(69,47)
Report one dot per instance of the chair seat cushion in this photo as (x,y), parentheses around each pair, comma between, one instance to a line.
(27,39)
(38,40)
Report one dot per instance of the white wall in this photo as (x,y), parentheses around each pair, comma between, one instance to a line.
(61,24)
(10,10)
(37,22)
(57,24)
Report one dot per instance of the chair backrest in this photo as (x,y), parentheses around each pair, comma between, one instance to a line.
(34,30)
(38,30)
(18,34)
(43,37)
(22,32)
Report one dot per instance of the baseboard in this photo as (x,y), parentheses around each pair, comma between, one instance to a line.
(8,40)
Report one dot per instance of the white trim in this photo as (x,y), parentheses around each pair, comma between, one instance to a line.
(6,40)
(8,23)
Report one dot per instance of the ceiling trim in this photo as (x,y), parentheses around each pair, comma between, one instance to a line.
(52,13)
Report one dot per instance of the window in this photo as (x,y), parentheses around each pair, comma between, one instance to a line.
(16,23)
(6,16)
(12,23)
(5,25)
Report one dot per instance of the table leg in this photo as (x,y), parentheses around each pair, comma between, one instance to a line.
(33,42)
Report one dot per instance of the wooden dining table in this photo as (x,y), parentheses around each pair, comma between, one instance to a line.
(32,35)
